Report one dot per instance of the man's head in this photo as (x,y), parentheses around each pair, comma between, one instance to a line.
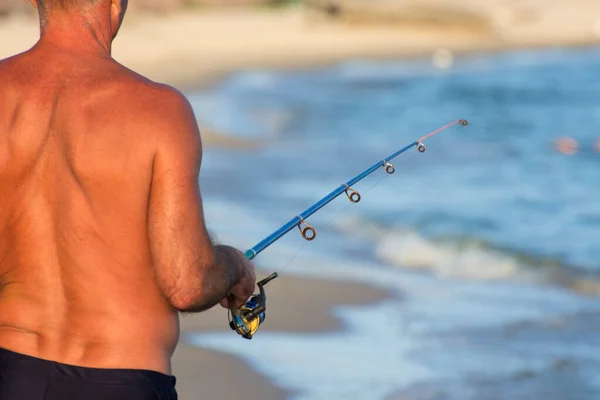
(114,10)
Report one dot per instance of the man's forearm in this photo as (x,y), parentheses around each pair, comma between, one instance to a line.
(219,279)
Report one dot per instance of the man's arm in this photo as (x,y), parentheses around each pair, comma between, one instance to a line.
(193,274)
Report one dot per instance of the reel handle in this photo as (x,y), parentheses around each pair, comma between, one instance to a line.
(266,280)
(262,307)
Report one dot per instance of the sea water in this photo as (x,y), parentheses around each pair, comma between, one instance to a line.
(490,237)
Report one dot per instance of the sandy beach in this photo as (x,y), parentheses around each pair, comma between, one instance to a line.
(190,50)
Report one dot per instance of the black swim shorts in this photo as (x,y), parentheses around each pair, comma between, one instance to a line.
(28,378)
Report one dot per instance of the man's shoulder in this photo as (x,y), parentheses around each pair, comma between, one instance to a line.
(166,118)
(13,77)
(148,93)
(157,106)
(9,67)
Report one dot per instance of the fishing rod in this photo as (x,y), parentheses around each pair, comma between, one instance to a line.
(246,320)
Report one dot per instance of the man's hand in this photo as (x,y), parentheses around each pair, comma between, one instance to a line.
(244,288)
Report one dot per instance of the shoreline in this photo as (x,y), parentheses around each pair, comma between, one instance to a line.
(288,40)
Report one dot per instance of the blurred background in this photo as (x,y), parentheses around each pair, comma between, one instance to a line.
(473,272)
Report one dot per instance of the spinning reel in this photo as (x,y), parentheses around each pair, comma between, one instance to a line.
(250,317)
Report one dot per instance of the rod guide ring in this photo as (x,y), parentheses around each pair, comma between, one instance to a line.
(389,168)
(309,233)
(352,194)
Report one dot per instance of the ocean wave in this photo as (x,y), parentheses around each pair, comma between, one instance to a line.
(465,257)
(411,250)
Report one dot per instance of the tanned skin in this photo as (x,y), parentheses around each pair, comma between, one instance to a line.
(102,233)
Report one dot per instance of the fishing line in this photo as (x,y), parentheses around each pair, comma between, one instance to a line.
(246,320)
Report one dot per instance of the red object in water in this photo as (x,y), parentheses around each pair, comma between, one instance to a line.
(567,145)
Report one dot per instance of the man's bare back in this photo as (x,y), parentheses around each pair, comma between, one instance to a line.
(102,236)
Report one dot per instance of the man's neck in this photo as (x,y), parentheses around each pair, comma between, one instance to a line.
(77,33)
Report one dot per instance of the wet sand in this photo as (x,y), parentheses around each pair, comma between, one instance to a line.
(206,374)
(294,305)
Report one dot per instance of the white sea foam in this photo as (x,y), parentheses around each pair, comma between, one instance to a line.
(411,250)
(408,249)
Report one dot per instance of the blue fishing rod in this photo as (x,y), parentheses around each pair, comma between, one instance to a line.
(246,320)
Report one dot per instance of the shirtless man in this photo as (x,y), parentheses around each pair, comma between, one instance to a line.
(102,234)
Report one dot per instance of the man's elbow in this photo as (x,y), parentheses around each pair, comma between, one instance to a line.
(191,303)
(181,302)
(197,289)
(195,295)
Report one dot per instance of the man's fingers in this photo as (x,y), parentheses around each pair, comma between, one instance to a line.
(239,294)
(243,290)
(237,302)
